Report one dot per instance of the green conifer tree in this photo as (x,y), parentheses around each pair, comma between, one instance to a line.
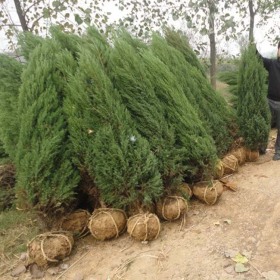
(152,99)
(46,178)
(10,81)
(130,77)
(27,43)
(180,42)
(252,108)
(105,139)
(212,109)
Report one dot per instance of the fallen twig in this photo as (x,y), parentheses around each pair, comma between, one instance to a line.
(256,269)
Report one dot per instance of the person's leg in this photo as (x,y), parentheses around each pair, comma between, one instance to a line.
(275,113)
(277,142)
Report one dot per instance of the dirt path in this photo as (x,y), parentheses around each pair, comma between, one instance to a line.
(246,221)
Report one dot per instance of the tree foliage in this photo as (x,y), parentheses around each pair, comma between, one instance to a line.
(252,108)
(129,75)
(105,139)
(46,177)
(211,108)
(10,81)
(37,16)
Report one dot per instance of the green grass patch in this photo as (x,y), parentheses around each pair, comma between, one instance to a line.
(16,229)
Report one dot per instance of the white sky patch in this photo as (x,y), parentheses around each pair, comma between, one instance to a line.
(265,47)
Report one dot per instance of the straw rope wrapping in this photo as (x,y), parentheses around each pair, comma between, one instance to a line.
(230,162)
(213,187)
(144,219)
(106,211)
(177,198)
(240,154)
(45,236)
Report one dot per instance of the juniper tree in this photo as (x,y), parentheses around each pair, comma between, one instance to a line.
(252,108)
(148,103)
(211,107)
(105,138)
(46,178)
(10,81)
(199,146)
(67,41)
(27,43)
(129,76)
(180,42)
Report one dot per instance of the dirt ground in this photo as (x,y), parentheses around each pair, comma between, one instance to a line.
(245,222)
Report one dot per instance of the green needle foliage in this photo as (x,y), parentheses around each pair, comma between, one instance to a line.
(46,178)
(130,77)
(27,43)
(10,81)
(154,97)
(211,107)
(105,139)
(252,108)
(200,152)
(180,42)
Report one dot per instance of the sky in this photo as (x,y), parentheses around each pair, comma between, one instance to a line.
(263,45)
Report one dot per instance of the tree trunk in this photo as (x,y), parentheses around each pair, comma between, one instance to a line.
(252,21)
(211,21)
(21,16)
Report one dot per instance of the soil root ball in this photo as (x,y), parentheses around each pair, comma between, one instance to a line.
(172,208)
(219,170)
(240,154)
(50,247)
(252,156)
(144,227)
(107,223)
(76,222)
(208,192)
(230,163)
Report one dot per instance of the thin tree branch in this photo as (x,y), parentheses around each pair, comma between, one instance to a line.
(28,9)
(36,21)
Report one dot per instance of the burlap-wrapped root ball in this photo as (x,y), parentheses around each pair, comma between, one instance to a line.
(252,155)
(144,227)
(230,163)
(185,191)
(240,154)
(171,208)
(219,170)
(49,247)
(107,223)
(208,192)
(76,222)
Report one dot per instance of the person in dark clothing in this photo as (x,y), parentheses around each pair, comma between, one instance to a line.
(273,68)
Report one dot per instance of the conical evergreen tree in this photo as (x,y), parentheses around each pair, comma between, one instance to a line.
(130,77)
(211,107)
(27,43)
(252,108)
(105,138)
(180,42)
(10,81)
(46,178)
(190,133)
(67,41)
(148,95)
